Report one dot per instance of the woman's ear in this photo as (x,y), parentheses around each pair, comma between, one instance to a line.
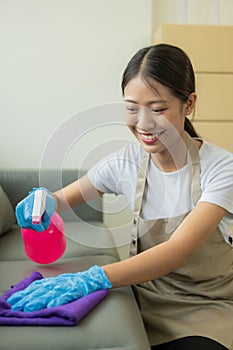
(190,103)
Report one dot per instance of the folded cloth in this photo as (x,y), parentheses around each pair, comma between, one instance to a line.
(63,315)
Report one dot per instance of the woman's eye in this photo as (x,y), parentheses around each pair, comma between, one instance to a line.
(157,111)
(131,109)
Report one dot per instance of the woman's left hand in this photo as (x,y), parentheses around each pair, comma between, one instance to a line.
(59,290)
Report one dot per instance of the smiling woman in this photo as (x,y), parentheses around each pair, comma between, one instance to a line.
(157,123)
(180,193)
(158,100)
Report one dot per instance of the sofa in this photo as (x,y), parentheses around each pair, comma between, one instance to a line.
(115,323)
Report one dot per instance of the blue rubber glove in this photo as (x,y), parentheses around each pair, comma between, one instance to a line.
(24,209)
(59,290)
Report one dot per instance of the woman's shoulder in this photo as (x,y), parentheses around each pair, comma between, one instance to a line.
(132,148)
(216,175)
(212,153)
(216,162)
(123,158)
(130,152)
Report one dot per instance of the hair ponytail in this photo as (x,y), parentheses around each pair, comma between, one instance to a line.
(189,128)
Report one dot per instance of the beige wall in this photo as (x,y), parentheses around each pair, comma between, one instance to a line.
(208,12)
(204,29)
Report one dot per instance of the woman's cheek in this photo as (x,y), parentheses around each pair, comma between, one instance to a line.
(131,121)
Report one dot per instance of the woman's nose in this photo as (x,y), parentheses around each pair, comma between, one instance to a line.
(145,119)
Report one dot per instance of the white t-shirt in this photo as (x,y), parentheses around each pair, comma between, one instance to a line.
(167,194)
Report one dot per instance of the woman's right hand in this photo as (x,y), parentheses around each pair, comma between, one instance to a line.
(24,209)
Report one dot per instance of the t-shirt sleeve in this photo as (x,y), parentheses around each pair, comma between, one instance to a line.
(103,175)
(109,174)
(218,181)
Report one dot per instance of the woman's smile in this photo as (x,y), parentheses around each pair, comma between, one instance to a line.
(154,116)
(149,138)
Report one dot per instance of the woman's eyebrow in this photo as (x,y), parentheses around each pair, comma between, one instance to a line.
(149,103)
(129,100)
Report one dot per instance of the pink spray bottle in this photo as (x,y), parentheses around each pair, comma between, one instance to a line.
(48,246)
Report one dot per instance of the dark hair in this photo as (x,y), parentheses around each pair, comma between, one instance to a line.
(170,66)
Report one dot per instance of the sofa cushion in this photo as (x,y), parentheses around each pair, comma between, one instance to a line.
(7,216)
(77,242)
(89,238)
(115,323)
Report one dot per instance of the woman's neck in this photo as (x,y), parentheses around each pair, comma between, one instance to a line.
(166,163)
(175,157)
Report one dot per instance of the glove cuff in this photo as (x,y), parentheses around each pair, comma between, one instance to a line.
(106,283)
(97,274)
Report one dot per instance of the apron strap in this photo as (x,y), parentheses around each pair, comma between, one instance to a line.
(194,169)
(141,181)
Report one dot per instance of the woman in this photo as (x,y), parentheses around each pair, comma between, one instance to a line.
(181,263)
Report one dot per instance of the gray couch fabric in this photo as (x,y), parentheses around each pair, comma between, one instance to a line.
(114,324)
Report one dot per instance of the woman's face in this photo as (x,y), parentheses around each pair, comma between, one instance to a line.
(154,115)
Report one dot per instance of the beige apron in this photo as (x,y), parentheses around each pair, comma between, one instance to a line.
(197,298)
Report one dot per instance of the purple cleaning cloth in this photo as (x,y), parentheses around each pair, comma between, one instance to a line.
(64,315)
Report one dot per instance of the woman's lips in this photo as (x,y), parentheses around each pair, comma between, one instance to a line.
(149,138)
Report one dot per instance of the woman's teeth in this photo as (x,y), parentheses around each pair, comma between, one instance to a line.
(151,136)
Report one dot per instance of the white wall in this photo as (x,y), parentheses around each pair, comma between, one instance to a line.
(59,57)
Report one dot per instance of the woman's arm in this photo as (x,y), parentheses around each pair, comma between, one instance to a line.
(75,193)
(168,256)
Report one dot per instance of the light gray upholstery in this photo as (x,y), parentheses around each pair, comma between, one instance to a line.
(12,247)
(7,218)
(17,184)
(113,324)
